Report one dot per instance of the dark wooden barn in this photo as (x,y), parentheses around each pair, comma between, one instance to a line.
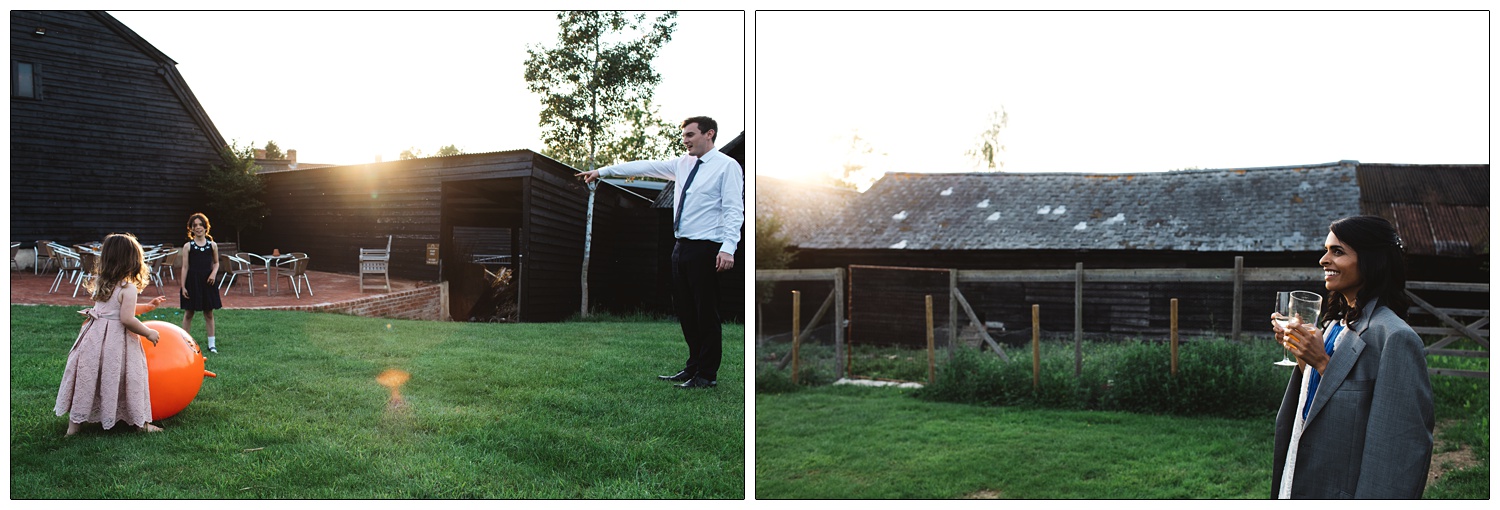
(105,135)
(1272,217)
(515,209)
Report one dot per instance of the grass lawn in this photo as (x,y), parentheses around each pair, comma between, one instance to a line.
(570,410)
(855,442)
(848,442)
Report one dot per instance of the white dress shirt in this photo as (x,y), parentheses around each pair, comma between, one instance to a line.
(714,207)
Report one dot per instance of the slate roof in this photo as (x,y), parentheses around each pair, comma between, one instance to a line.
(1273,209)
(801,208)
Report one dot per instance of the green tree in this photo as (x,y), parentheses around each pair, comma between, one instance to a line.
(448,150)
(411,153)
(590,83)
(594,80)
(647,136)
(987,150)
(233,190)
(273,151)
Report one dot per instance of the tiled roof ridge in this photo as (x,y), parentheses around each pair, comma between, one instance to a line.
(1333,165)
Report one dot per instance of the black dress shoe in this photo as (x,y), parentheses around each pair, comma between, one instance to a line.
(680,377)
(698,382)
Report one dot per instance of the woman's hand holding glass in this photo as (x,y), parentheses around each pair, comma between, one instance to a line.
(1305,341)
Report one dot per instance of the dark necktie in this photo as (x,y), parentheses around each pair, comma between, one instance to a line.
(677,225)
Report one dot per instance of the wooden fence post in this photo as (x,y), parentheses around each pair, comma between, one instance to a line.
(953,329)
(1036,347)
(1174,337)
(1078,322)
(1239,295)
(931,353)
(796,330)
(839,328)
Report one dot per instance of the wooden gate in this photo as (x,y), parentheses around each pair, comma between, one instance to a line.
(1452,326)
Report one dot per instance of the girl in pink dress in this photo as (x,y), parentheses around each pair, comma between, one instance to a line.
(105,380)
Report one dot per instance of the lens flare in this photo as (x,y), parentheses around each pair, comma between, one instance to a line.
(392,379)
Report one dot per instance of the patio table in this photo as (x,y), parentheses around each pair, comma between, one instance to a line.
(272,263)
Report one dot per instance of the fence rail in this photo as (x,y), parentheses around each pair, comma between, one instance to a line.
(836,301)
(961,309)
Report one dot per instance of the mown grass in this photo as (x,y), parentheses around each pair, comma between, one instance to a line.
(846,442)
(569,410)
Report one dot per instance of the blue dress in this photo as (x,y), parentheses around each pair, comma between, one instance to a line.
(202,295)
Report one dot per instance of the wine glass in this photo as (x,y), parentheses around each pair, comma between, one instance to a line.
(1283,317)
(1303,307)
(1306,306)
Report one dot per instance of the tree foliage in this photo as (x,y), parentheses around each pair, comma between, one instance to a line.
(596,86)
(987,149)
(446,150)
(771,251)
(273,151)
(646,136)
(857,173)
(233,190)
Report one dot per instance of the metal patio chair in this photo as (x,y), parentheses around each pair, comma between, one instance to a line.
(373,261)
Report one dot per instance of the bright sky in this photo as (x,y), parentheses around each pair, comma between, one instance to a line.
(1120,91)
(345,87)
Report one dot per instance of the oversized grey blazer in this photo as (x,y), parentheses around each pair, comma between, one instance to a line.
(1368,433)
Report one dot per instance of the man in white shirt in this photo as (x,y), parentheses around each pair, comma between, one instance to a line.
(708,210)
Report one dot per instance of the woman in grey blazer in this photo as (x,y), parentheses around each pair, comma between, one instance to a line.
(1356,419)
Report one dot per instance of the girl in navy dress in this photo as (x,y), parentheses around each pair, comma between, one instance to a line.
(200,265)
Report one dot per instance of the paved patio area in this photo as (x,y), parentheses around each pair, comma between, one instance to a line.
(28,288)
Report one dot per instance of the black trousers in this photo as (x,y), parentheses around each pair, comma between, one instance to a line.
(695,293)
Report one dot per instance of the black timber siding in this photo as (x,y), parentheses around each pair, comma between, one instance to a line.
(115,142)
(552,257)
(631,254)
(331,212)
(1115,310)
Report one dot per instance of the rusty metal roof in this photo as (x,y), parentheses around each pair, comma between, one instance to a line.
(1438,209)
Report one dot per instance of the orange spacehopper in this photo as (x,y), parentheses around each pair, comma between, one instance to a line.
(176,369)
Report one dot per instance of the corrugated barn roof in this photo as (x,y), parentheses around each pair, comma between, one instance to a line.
(1438,209)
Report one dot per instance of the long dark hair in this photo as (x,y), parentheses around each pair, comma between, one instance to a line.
(1382,267)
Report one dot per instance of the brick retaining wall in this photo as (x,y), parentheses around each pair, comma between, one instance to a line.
(427,303)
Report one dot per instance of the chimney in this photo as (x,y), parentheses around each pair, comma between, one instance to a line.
(292,155)
(260,154)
